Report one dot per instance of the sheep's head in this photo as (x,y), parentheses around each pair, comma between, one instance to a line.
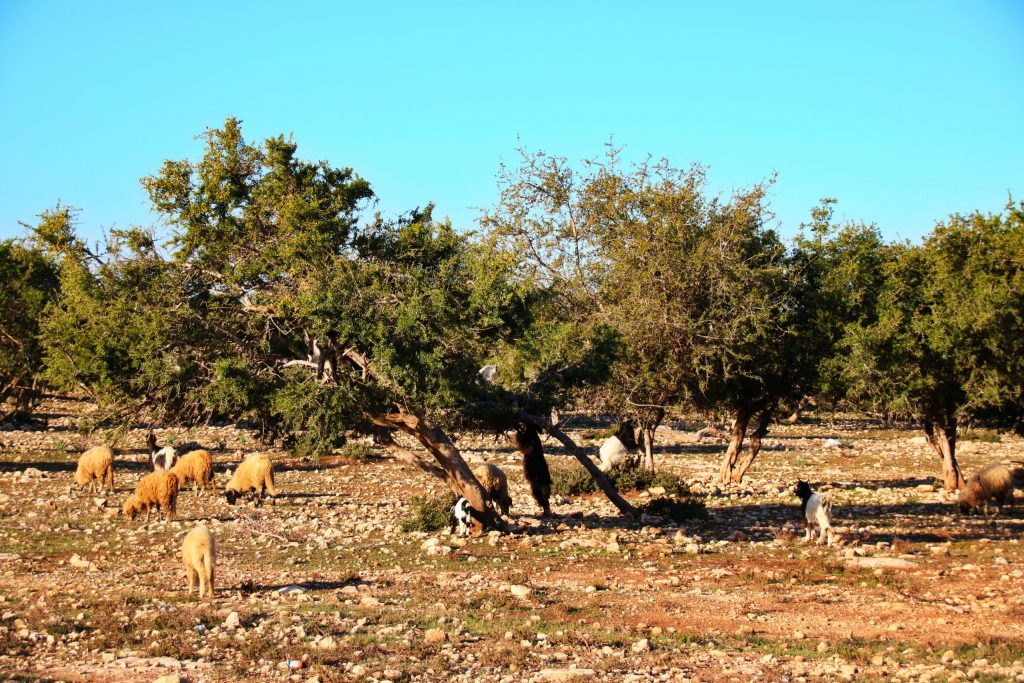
(231,495)
(802,490)
(964,502)
(131,507)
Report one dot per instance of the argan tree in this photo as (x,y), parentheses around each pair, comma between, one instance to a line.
(28,281)
(948,341)
(698,289)
(280,304)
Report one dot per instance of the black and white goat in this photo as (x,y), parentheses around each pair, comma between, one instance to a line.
(462,514)
(160,460)
(817,511)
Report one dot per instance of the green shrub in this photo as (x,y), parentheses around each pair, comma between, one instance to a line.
(677,509)
(429,514)
(357,451)
(572,479)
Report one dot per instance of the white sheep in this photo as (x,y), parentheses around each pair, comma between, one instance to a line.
(199,555)
(96,468)
(613,453)
(817,511)
(254,475)
(494,481)
(157,489)
(197,467)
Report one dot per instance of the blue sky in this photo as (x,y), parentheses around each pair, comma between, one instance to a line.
(905,112)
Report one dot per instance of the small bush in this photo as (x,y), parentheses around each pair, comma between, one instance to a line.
(982,436)
(357,451)
(676,509)
(573,480)
(429,514)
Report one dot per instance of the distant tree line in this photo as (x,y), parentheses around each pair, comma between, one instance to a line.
(281,300)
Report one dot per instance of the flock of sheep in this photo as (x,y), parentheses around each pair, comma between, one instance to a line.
(159,489)
(254,476)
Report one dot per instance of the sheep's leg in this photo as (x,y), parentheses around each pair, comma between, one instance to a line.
(808,532)
(823,530)
(190,574)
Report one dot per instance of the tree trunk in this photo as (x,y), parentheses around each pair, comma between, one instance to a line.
(598,476)
(648,428)
(797,412)
(755,445)
(739,430)
(460,478)
(384,439)
(942,437)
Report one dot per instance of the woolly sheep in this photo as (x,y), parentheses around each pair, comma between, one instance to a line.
(199,555)
(817,511)
(613,453)
(96,468)
(157,489)
(254,474)
(495,483)
(196,467)
(991,483)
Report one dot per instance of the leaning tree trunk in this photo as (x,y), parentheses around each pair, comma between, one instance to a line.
(459,477)
(942,437)
(755,445)
(739,430)
(597,475)
(797,412)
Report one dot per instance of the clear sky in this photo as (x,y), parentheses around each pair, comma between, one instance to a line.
(903,111)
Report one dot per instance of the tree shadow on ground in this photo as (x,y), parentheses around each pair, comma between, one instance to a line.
(310,585)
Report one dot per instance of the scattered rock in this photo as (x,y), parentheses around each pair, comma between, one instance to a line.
(435,635)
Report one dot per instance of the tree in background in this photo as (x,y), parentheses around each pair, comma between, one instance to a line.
(28,282)
(948,340)
(840,271)
(699,290)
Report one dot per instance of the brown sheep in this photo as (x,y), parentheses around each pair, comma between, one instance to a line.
(495,483)
(157,489)
(96,468)
(199,555)
(991,483)
(254,475)
(197,467)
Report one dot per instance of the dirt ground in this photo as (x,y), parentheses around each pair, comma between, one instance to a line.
(327,578)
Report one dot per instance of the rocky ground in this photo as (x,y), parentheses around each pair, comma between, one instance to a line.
(327,579)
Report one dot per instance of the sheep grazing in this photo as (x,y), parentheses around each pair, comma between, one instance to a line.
(253,475)
(495,483)
(197,467)
(462,514)
(992,483)
(488,373)
(199,555)
(817,511)
(163,459)
(96,468)
(157,489)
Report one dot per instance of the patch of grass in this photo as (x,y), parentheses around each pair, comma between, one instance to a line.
(357,451)
(676,509)
(572,480)
(982,436)
(429,514)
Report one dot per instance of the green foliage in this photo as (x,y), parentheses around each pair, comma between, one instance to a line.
(676,509)
(571,479)
(429,514)
(947,340)
(357,451)
(698,292)
(28,282)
